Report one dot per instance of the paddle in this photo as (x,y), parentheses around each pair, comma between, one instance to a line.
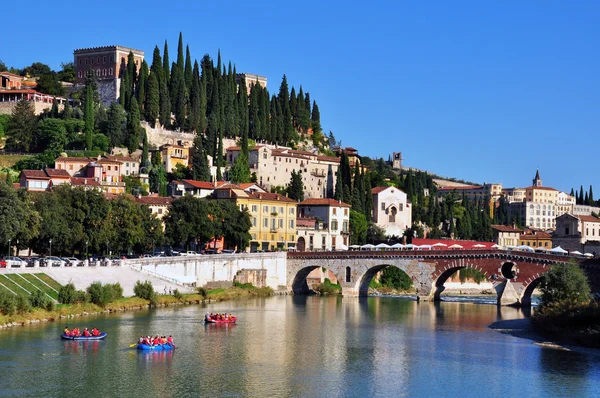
(132,345)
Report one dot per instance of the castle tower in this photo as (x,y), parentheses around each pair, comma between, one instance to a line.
(537,181)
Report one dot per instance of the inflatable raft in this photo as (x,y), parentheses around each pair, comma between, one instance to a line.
(162,347)
(83,338)
(219,321)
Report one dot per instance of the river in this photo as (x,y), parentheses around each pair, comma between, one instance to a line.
(297,346)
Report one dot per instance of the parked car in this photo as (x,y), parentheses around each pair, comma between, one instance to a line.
(188,253)
(15,262)
(53,261)
(2,263)
(228,251)
(31,261)
(71,262)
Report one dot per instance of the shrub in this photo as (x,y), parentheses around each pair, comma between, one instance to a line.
(395,278)
(67,294)
(177,294)
(243,285)
(144,290)
(97,294)
(22,304)
(564,283)
(7,303)
(38,299)
(327,287)
(202,291)
(50,306)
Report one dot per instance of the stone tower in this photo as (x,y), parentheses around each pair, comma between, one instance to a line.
(537,181)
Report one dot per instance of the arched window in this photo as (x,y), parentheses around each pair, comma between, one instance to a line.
(392,214)
(348,274)
(537,210)
(110,71)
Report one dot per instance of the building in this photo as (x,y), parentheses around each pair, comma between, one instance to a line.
(199,189)
(159,206)
(272,216)
(514,194)
(73,165)
(172,155)
(129,165)
(505,236)
(536,239)
(251,79)
(273,167)
(585,210)
(108,64)
(565,203)
(43,180)
(14,88)
(538,209)
(397,161)
(323,224)
(573,233)
(391,210)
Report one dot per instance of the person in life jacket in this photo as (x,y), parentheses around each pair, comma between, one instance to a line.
(170,341)
(67,331)
(86,332)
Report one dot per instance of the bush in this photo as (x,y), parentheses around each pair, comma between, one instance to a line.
(177,294)
(327,287)
(202,291)
(22,304)
(243,285)
(7,303)
(50,306)
(395,278)
(144,290)
(564,283)
(38,299)
(67,294)
(104,294)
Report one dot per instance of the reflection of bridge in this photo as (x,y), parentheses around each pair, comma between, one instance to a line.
(514,274)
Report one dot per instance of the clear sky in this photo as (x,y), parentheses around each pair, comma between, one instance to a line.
(486,91)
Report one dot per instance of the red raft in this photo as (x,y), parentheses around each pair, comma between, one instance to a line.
(219,321)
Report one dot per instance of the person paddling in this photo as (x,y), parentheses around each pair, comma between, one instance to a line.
(170,341)
(67,332)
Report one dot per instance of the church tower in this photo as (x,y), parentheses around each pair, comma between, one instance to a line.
(537,181)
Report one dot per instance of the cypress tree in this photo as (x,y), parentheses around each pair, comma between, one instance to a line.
(133,126)
(145,161)
(581,195)
(591,197)
(300,103)
(54,110)
(339,187)
(586,200)
(294,106)
(165,104)
(88,112)
(180,56)
(286,115)
(124,89)
(156,67)
(295,189)
(368,200)
(152,100)
(306,112)
(200,169)
(219,157)
(201,117)
(114,125)
(67,112)
(188,73)
(166,65)
(242,105)
(194,104)
(315,120)
(572,193)
(141,88)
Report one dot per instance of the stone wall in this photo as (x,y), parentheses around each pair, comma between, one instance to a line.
(158,136)
(257,277)
(6,108)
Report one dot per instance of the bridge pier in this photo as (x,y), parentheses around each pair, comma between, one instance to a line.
(507,295)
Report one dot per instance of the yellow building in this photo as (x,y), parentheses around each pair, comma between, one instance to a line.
(272,217)
(172,155)
(536,238)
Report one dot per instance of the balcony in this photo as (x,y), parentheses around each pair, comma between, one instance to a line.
(273,230)
(113,183)
(318,173)
(179,156)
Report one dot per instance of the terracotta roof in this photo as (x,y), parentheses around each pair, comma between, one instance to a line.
(589,218)
(325,158)
(37,174)
(154,200)
(24,91)
(376,190)
(323,202)
(106,160)
(82,181)
(57,173)
(306,222)
(237,148)
(120,158)
(270,196)
(506,228)
(73,159)
(7,73)
(536,235)
(199,184)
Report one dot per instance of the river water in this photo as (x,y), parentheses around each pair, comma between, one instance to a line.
(298,346)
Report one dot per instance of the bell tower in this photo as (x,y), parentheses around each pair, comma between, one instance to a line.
(537,181)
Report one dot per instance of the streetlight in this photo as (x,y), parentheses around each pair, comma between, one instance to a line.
(50,240)
(9,246)
(86,249)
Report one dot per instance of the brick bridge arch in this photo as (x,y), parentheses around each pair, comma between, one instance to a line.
(513,274)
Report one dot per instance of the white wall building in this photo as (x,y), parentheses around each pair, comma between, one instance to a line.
(391,210)
(573,232)
(323,224)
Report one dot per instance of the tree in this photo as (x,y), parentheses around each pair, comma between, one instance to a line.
(67,73)
(21,127)
(200,169)
(51,135)
(564,283)
(189,219)
(90,92)
(395,278)
(133,126)
(49,83)
(358,227)
(234,225)
(591,197)
(157,175)
(18,218)
(152,100)
(240,170)
(295,188)
(315,121)
(115,126)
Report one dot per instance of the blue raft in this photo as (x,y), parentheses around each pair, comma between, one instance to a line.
(83,338)
(162,347)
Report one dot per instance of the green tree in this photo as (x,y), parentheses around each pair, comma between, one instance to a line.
(67,73)
(21,127)
(49,83)
(152,100)
(51,135)
(564,282)
(115,126)
(315,121)
(240,170)
(133,126)
(89,109)
(189,219)
(295,188)
(395,278)
(158,175)
(358,228)
(200,169)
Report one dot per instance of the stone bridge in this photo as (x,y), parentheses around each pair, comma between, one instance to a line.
(514,274)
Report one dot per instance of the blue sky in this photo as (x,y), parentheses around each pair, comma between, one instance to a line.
(485,91)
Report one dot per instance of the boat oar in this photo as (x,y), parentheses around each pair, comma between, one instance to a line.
(132,345)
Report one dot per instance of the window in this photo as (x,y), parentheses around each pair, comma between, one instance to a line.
(86,61)
(382,205)
(254,221)
(345,226)
(392,215)
(160,211)
(291,210)
(334,225)
(401,206)
(70,167)
(323,242)
(273,209)
(291,224)
(110,71)
(254,208)
(266,222)
(281,210)
(346,212)
(348,274)
(273,223)
(334,211)
(98,59)
(281,223)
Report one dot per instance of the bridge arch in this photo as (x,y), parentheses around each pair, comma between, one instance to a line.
(365,280)
(300,283)
(529,289)
(442,278)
